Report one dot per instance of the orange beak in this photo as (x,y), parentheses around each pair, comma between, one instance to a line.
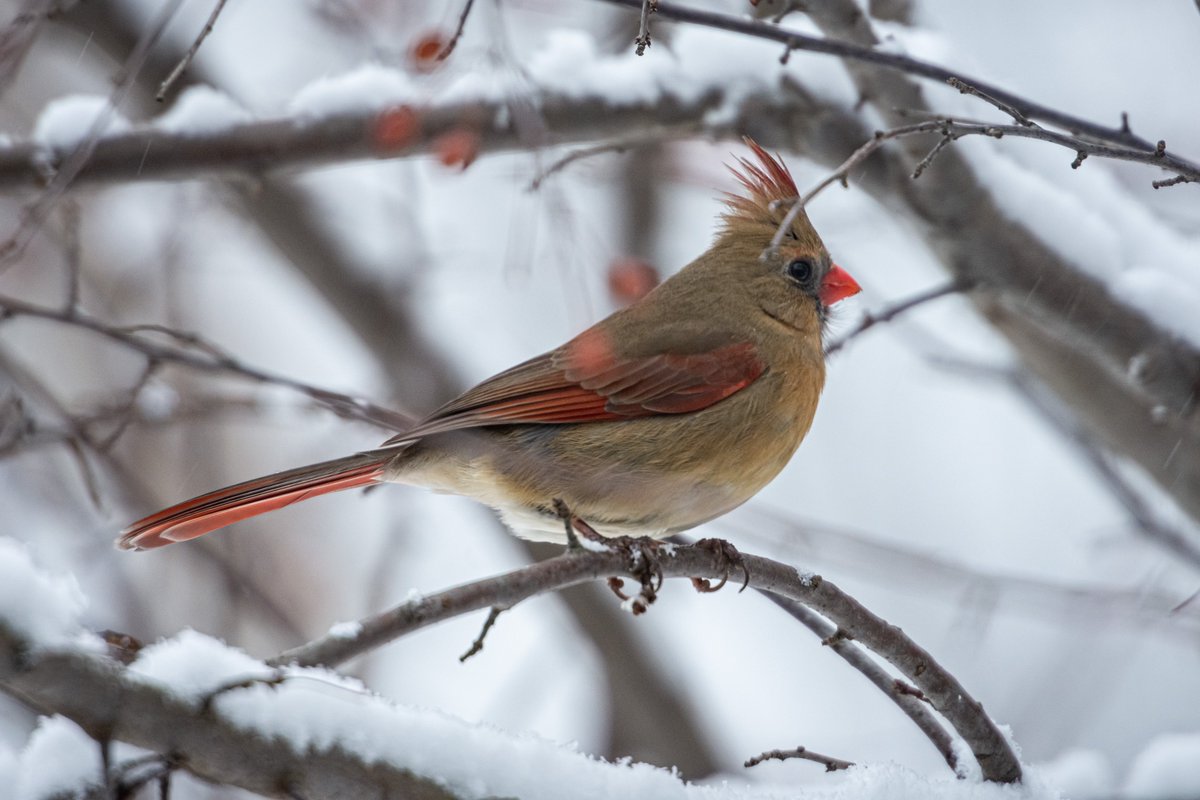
(837,286)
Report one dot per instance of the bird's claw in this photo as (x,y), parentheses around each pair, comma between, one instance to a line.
(644,565)
(729,557)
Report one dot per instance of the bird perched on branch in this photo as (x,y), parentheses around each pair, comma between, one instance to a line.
(662,416)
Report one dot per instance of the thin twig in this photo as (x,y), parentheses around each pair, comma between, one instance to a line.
(933,153)
(1007,108)
(888,313)
(580,153)
(953,129)
(493,614)
(831,764)
(870,668)
(209,359)
(448,48)
(186,61)
(1178,179)
(895,61)
(643,38)
(842,174)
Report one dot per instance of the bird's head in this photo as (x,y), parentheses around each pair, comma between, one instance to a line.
(798,267)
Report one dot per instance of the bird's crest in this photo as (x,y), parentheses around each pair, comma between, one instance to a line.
(768,187)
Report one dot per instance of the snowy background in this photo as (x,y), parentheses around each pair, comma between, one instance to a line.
(945,503)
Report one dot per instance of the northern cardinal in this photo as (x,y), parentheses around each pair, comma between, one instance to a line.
(664,415)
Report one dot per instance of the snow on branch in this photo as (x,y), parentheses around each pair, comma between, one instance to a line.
(853,621)
(277,728)
(376,112)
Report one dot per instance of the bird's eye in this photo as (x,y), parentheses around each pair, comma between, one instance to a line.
(800,270)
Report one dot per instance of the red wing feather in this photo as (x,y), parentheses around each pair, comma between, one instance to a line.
(586,381)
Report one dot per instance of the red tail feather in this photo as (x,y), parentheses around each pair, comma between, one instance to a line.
(214,510)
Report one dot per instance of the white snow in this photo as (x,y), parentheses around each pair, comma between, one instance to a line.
(345,630)
(40,608)
(195,665)
(67,121)
(569,64)
(369,86)
(1168,769)
(314,709)
(1145,262)
(202,110)
(59,758)
(1080,774)
(1114,236)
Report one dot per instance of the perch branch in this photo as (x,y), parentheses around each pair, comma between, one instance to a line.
(943,691)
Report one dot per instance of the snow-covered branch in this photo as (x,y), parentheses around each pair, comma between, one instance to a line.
(302,731)
(111,703)
(852,620)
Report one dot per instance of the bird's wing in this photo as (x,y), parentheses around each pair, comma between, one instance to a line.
(585,380)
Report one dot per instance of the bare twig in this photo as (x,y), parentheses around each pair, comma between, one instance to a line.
(578,154)
(643,38)
(493,614)
(870,668)
(208,359)
(944,692)
(951,130)
(1136,607)
(894,61)
(1178,179)
(446,50)
(191,53)
(831,764)
(933,153)
(887,314)
(1007,108)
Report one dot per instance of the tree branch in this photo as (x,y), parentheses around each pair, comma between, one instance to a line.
(101,697)
(943,691)
(795,40)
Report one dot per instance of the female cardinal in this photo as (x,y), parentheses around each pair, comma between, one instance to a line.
(660,417)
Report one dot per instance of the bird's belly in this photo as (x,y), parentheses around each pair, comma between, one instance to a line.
(644,477)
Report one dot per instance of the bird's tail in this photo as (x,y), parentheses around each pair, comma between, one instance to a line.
(214,510)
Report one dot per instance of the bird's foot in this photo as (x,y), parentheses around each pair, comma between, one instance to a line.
(729,558)
(642,553)
(644,565)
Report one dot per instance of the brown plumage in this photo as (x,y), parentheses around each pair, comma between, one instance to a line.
(660,417)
